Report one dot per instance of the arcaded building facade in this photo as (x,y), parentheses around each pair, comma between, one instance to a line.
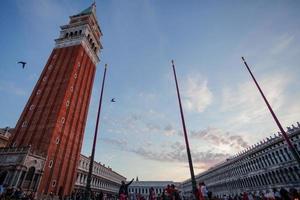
(266,165)
(104,179)
(142,188)
(21,168)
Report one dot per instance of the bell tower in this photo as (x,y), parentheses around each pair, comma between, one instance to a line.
(54,118)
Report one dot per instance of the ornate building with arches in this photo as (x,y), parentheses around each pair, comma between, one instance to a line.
(19,167)
(261,167)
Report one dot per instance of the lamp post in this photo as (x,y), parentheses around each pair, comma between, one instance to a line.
(194,186)
(283,133)
(89,178)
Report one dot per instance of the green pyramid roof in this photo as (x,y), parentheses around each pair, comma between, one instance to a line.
(87,11)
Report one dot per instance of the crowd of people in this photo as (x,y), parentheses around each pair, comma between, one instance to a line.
(10,193)
(274,194)
(169,193)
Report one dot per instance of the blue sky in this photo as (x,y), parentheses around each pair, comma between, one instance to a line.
(141,134)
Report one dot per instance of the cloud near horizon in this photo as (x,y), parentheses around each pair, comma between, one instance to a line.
(174,152)
(196,94)
(219,137)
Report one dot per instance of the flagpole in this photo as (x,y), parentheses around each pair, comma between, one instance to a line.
(194,186)
(283,133)
(89,178)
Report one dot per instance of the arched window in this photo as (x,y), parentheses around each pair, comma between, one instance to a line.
(24,124)
(30,174)
(259,180)
(282,154)
(75,33)
(31,107)
(271,178)
(80,32)
(271,159)
(288,175)
(287,153)
(292,174)
(275,177)
(71,34)
(3,175)
(279,177)
(67,35)
(277,153)
(262,180)
(296,169)
(275,158)
(282,175)
(50,163)
(265,179)
(53,183)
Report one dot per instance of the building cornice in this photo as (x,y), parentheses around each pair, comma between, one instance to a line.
(79,40)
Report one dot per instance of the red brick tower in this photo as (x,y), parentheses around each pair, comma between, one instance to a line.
(54,118)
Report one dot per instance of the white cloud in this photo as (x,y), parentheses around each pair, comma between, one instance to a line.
(169,130)
(196,94)
(245,103)
(177,153)
(282,44)
(225,141)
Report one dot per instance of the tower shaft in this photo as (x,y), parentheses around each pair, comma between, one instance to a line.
(54,118)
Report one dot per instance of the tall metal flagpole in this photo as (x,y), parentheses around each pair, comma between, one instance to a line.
(283,133)
(186,137)
(89,178)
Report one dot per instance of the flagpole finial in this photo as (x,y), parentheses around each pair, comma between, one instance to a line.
(243,59)
(172,61)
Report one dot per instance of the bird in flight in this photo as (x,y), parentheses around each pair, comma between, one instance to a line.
(113,100)
(23,64)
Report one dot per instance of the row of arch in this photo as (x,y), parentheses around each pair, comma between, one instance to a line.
(77,33)
(71,34)
(279,176)
(96,169)
(96,182)
(27,180)
(245,166)
(142,190)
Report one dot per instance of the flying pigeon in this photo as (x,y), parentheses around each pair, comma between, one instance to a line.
(112,100)
(23,64)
